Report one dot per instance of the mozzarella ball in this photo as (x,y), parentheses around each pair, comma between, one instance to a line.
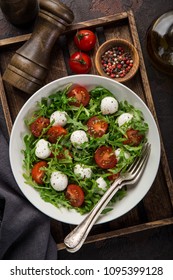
(59,118)
(101,184)
(83,172)
(109,105)
(58,181)
(124,118)
(118,151)
(78,137)
(42,150)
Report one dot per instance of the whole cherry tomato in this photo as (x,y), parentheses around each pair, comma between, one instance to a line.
(80,63)
(85,40)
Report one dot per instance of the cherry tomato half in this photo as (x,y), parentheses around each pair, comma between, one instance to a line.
(55,132)
(81,95)
(38,174)
(113,177)
(134,137)
(80,63)
(97,127)
(63,154)
(85,40)
(105,157)
(37,126)
(75,195)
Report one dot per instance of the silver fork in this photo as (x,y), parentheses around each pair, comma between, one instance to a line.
(75,239)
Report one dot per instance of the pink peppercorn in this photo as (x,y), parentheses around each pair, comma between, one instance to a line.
(116,62)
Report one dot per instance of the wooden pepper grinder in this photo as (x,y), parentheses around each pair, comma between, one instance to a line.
(19,12)
(29,65)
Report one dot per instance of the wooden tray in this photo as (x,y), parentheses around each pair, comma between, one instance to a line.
(156,209)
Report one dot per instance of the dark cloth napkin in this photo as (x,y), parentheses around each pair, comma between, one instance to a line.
(24,230)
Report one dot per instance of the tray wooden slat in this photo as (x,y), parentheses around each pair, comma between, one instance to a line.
(156,209)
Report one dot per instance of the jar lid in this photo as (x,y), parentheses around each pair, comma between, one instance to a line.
(160,43)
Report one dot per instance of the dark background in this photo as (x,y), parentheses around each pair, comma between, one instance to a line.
(157,243)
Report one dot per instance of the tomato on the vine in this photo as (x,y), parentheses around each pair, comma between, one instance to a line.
(85,40)
(80,63)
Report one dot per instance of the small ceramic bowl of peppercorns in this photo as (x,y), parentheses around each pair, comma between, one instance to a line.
(117,59)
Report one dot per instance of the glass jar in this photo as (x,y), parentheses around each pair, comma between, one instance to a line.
(160,43)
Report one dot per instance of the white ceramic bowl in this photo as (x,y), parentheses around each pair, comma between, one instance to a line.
(134,195)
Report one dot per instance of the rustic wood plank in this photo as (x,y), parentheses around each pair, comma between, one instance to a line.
(124,232)
(5,106)
(14,40)
(150,102)
(97,22)
(144,216)
(85,24)
(57,67)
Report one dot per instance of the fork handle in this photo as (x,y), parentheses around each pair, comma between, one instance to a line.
(77,237)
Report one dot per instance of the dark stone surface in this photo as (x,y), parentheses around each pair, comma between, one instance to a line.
(152,244)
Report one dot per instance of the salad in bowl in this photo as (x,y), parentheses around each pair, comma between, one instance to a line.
(76,135)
